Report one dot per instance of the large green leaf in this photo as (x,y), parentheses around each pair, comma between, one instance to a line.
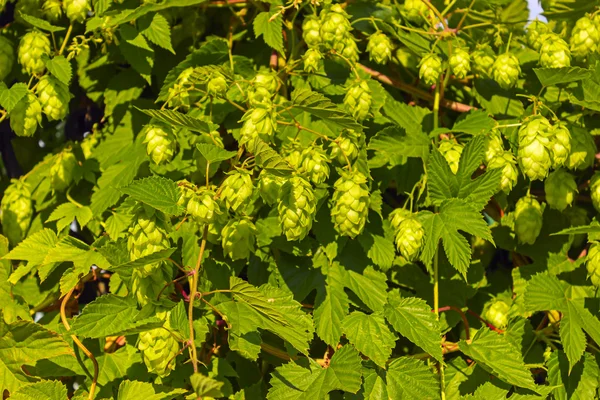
(370,335)
(321,107)
(408,378)
(157,192)
(269,26)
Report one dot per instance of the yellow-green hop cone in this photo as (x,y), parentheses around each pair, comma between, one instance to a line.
(506,70)
(334,25)
(259,122)
(535,30)
(311,28)
(497,314)
(554,52)
(528,219)
(348,48)
(312,60)
(410,238)
(203,207)
(483,60)
(260,97)
(430,69)
(160,143)
(17,209)
(397,216)
(147,235)
(293,153)
(238,238)
(26,116)
(380,48)
(159,348)
(266,80)
(595,190)
(217,84)
(54,98)
(534,156)
(593,264)
(61,172)
(584,37)
(358,100)
(77,10)
(297,207)
(88,145)
(52,10)
(179,95)
(347,146)
(7,57)
(583,149)
(237,188)
(350,204)
(510,172)
(560,188)
(33,46)
(460,63)
(494,146)
(560,145)
(415,11)
(451,150)
(269,187)
(315,164)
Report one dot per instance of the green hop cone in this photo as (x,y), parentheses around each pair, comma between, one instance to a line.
(358,100)
(528,219)
(410,238)
(593,263)
(430,69)
(535,31)
(159,348)
(259,122)
(61,171)
(33,46)
(595,190)
(54,98)
(315,164)
(397,216)
(348,48)
(217,84)
(311,28)
(497,314)
(494,146)
(147,286)
(89,144)
(380,48)
(347,146)
(554,52)
(179,95)
(415,11)
(451,150)
(334,25)
(506,70)
(238,238)
(26,116)
(510,172)
(312,60)
(583,150)
(350,204)
(260,97)
(534,155)
(160,143)
(203,207)
(17,209)
(560,188)
(585,37)
(483,60)
(293,153)
(237,188)
(52,10)
(77,10)
(266,80)
(560,145)
(7,57)
(460,63)
(269,187)
(297,207)
(147,235)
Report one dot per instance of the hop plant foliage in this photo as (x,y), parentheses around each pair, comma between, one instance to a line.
(7,57)
(528,219)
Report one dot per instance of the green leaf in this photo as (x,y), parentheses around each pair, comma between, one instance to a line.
(135,390)
(394,143)
(34,248)
(41,24)
(572,338)
(581,382)
(152,258)
(370,335)
(136,51)
(268,159)
(47,390)
(129,15)
(331,306)
(243,336)
(475,123)
(413,319)
(576,230)
(67,212)
(408,378)
(213,153)
(59,67)
(157,192)
(557,76)
(321,107)
(10,97)
(111,315)
(156,29)
(412,119)
(270,29)
(370,287)
(177,119)
(12,308)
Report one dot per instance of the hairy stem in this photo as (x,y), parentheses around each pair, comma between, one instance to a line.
(193,293)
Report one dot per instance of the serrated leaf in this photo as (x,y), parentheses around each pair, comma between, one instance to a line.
(557,76)
(581,382)
(270,29)
(213,153)
(474,123)
(321,107)
(136,51)
(129,15)
(395,143)
(134,390)
(379,249)
(370,335)
(157,30)
(34,248)
(408,378)
(174,118)
(206,387)
(157,192)
(59,67)
(268,159)
(412,119)
(67,212)
(576,230)
(41,24)
(12,308)
(47,390)
(572,338)
(10,97)
(370,287)
(331,306)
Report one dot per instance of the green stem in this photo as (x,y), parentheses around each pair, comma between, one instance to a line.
(193,293)
(65,40)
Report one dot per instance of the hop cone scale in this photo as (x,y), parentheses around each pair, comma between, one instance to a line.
(297,207)
(350,204)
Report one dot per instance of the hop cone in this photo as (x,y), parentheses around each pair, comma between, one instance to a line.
(483,60)
(159,348)
(350,204)
(334,26)
(451,151)
(348,48)
(528,219)
(17,210)
(266,80)
(554,52)
(259,122)
(269,187)
(593,263)
(510,173)
(534,141)
(497,314)
(312,60)
(415,11)
(77,10)
(26,116)
(238,238)
(147,235)
(584,37)
(311,32)
(560,145)
(7,57)
(32,47)
(297,207)
(397,216)
(203,207)
(380,48)
(54,98)
(315,164)
(160,143)
(506,70)
(409,238)
(217,84)
(61,172)
(147,285)
(260,97)
(595,190)
(237,189)
(293,153)
(583,150)
(347,146)
(430,69)
(535,31)
(88,145)
(358,100)
(460,63)
(494,147)
(560,188)
(52,10)
(179,95)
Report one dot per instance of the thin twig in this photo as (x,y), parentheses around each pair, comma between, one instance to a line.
(193,292)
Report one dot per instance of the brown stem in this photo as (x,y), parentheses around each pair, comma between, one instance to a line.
(462,315)
(193,292)
(492,327)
